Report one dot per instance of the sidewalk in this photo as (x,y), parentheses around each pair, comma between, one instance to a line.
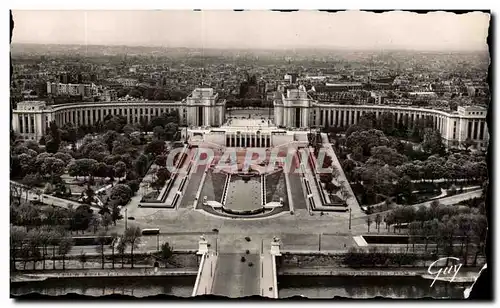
(207,275)
(136,272)
(267,275)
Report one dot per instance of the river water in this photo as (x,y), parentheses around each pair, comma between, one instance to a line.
(136,286)
(367,287)
(312,287)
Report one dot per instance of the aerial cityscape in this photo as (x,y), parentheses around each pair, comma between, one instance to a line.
(197,153)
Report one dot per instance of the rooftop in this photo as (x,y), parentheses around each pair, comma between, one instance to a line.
(202,92)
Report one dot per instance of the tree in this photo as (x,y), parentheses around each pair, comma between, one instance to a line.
(163,175)
(405,188)
(413,232)
(94,222)
(80,218)
(106,220)
(468,143)
(17,237)
(53,167)
(159,133)
(427,230)
(465,231)
(331,188)
(166,253)
(434,206)
(45,240)
(120,194)
(121,247)
(115,212)
(101,240)
(171,129)
(378,220)
(161,160)
(157,185)
(82,258)
(368,222)
(335,172)
(133,237)
(387,155)
(108,138)
(357,154)
(30,181)
(422,215)
(348,166)
(155,147)
(29,215)
(82,167)
(141,165)
(64,248)
(128,129)
(101,170)
(123,145)
(96,148)
(53,144)
(386,123)
(69,133)
(326,177)
(368,120)
(113,236)
(65,157)
(366,140)
(480,229)
(433,142)
(345,193)
(120,168)
(55,237)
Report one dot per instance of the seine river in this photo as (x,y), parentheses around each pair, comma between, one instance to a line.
(367,287)
(136,286)
(312,287)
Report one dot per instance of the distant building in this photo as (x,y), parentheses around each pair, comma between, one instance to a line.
(344,86)
(297,110)
(84,90)
(379,97)
(127,82)
(420,95)
(204,108)
(291,78)
(108,95)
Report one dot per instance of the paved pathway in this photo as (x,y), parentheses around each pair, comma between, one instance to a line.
(207,275)
(309,174)
(446,201)
(189,195)
(267,276)
(234,278)
(299,202)
(51,200)
(351,201)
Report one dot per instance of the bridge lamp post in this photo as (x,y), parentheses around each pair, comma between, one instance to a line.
(126,219)
(349,218)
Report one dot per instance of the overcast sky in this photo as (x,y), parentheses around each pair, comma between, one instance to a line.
(255,29)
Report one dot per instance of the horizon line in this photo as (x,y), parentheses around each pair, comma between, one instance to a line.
(324,48)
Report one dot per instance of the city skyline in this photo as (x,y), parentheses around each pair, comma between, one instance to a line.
(238,30)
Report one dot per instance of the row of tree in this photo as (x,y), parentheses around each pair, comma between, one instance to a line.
(386,167)
(443,225)
(382,258)
(38,245)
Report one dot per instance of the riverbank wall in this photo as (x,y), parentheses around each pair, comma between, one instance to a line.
(332,264)
(88,273)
